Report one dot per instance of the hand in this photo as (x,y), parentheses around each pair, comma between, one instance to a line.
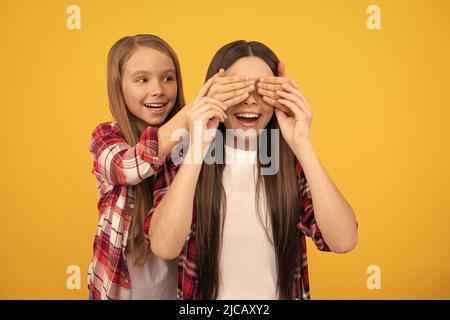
(267,88)
(296,126)
(230,90)
(203,118)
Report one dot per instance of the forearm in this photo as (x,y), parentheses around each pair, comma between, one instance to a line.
(333,214)
(172,218)
(120,164)
(165,141)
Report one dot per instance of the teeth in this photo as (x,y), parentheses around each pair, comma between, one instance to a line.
(247,115)
(154,105)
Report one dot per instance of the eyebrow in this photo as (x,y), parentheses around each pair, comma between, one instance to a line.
(247,75)
(147,72)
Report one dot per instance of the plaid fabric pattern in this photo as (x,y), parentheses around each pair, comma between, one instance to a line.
(187,275)
(117,166)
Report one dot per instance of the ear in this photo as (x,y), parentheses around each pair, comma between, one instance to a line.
(281,69)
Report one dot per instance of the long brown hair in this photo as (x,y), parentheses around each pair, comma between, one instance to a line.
(281,192)
(119,54)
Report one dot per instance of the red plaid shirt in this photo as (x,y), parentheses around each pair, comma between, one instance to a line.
(117,167)
(187,272)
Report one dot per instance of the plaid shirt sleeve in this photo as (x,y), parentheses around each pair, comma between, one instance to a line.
(118,163)
(307,222)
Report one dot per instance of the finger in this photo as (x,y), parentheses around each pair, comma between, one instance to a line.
(207,115)
(204,89)
(305,102)
(295,99)
(288,96)
(230,79)
(274,103)
(213,113)
(291,89)
(211,106)
(207,85)
(273,80)
(208,100)
(221,88)
(295,84)
(219,74)
(281,116)
(235,93)
(281,69)
(267,86)
(298,112)
(236,100)
(268,93)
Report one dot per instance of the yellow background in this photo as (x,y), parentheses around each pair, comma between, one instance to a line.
(380,99)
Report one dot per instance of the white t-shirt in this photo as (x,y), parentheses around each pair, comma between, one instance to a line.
(247,260)
(155,280)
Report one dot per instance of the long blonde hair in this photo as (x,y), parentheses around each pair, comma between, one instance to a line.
(120,52)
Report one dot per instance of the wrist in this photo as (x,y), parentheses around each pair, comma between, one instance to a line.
(302,142)
(196,153)
(184,113)
(303,149)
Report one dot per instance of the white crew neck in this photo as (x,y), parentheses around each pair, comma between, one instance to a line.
(240,156)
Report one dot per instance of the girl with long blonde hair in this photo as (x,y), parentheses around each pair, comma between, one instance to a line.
(146,100)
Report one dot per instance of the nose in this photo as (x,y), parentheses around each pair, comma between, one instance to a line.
(155,88)
(251,100)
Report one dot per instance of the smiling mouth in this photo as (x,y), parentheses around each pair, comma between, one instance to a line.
(247,119)
(155,105)
(156,109)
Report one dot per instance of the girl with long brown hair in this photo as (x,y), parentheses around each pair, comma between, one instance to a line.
(146,100)
(240,233)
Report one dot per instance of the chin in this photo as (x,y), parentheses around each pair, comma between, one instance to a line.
(157,123)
